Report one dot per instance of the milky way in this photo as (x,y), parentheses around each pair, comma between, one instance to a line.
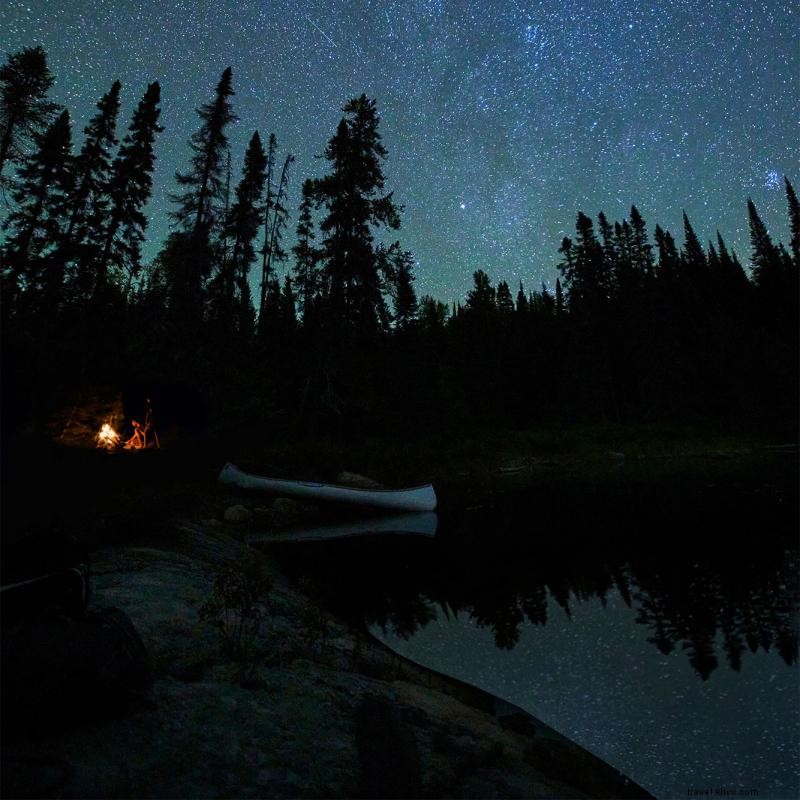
(502,119)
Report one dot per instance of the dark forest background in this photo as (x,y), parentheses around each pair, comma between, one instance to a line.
(638,329)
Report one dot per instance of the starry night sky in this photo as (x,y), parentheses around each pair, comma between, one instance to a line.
(503,119)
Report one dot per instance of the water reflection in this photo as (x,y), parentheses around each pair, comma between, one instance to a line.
(711,571)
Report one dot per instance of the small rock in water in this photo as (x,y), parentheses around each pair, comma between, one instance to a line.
(237,514)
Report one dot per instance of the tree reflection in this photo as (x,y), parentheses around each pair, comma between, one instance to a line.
(712,597)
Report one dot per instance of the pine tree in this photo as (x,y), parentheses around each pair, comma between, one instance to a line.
(25,111)
(198,209)
(306,271)
(129,190)
(355,206)
(794,222)
(89,203)
(35,228)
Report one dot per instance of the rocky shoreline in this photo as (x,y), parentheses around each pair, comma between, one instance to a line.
(319,709)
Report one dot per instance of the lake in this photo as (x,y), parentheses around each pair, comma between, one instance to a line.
(647,612)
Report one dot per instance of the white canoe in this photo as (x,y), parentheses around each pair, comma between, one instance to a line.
(415,523)
(420,498)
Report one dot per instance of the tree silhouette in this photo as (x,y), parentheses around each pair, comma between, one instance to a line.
(482,298)
(129,190)
(352,196)
(306,270)
(199,211)
(276,217)
(405,298)
(693,256)
(89,205)
(241,227)
(198,208)
(45,185)
(794,221)
(25,111)
(505,304)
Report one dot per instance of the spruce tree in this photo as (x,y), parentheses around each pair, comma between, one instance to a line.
(35,227)
(767,264)
(610,253)
(730,270)
(306,271)
(276,217)
(481,299)
(559,298)
(641,249)
(269,206)
(288,305)
(352,195)
(89,206)
(794,222)
(242,227)
(668,256)
(405,298)
(587,280)
(626,279)
(433,316)
(522,301)
(198,205)
(505,304)
(129,190)
(567,264)
(25,111)
(694,257)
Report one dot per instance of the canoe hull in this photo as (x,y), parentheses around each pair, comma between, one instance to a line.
(420,498)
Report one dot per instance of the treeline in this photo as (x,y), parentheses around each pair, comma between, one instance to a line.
(342,343)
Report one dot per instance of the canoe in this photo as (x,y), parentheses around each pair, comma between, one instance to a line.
(413,523)
(419,498)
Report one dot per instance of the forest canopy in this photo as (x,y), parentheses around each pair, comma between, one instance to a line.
(334,338)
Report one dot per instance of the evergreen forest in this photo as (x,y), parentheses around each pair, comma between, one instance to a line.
(306,322)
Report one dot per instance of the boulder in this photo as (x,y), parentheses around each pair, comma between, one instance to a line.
(237,514)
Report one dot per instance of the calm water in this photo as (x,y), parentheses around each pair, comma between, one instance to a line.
(651,618)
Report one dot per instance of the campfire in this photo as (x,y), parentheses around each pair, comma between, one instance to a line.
(108,438)
(144,435)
